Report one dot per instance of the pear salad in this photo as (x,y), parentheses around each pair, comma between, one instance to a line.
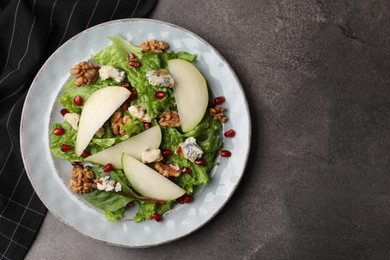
(139,128)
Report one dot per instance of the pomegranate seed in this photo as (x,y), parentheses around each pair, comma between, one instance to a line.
(147,125)
(64,111)
(66,147)
(125,105)
(126,85)
(135,64)
(130,204)
(108,167)
(59,131)
(186,170)
(97,67)
(85,154)
(133,95)
(159,94)
(199,162)
(226,153)
(78,100)
(156,217)
(167,153)
(131,56)
(185,199)
(230,133)
(219,100)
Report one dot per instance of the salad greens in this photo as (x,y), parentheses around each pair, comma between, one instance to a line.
(207,132)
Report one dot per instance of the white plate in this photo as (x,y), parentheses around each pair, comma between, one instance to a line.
(50,176)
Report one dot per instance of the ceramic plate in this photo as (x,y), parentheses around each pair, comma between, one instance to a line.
(50,176)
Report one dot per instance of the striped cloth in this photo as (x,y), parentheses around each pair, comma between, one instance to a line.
(30,30)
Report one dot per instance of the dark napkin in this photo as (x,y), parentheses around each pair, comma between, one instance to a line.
(30,31)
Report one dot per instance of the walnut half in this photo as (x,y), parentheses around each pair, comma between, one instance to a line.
(167,170)
(81,179)
(218,113)
(170,119)
(154,46)
(117,120)
(85,72)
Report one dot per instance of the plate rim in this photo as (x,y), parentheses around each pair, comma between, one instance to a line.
(126,20)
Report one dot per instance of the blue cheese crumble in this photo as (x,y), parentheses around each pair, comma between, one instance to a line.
(106,184)
(139,111)
(160,78)
(151,155)
(189,149)
(106,72)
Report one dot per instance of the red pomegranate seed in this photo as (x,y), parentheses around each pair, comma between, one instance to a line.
(59,131)
(226,153)
(159,94)
(131,56)
(85,154)
(126,85)
(167,153)
(230,133)
(97,67)
(135,64)
(78,100)
(125,105)
(133,95)
(199,162)
(185,199)
(64,111)
(219,100)
(156,217)
(186,170)
(66,147)
(108,167)
(147,125)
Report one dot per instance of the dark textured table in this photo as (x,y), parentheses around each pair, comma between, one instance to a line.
(317,79)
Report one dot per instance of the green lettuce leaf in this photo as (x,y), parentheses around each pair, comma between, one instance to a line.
(145,211)
(69,138)
(116,54)
(115,215)
(107,200)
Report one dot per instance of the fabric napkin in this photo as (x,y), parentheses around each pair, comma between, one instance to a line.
(30,31)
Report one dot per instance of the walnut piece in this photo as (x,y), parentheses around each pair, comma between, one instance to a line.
(85,72)
(154,46)
(117,121)
(218,113)
(167,170)
(170,119)
(81,179)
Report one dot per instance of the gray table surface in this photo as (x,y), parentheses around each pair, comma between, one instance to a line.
(317,78)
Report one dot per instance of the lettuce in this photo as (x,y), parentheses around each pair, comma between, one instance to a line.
(69,138)
(113,204)
(115,215)
(146,209)
(117,53)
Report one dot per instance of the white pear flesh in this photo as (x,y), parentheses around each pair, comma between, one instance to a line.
(148,182)
(133,146)
(190,91)
(97,109)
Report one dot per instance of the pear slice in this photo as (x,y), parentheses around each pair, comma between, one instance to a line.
(191,93)
(148,182)
(97,109)
(133,146)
